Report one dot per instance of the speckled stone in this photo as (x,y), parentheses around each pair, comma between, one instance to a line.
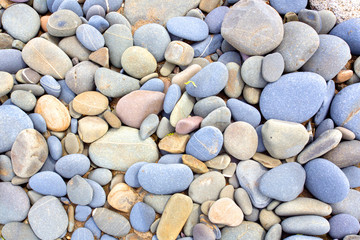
(246,230)
(311,18)
(63,23)
(179,53)
(111,222)
(138,62)
(349,31)
(206,187)
(345,154)
(80,78)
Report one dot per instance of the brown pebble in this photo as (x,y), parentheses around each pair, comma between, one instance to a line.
(290,16)
(112,119)
(343,76)
(101,57)
(194,164)
(43,22)
(209,5)
(30,76)
(90,103)
(174,143)
(122,197)
(266,160)
(5,41)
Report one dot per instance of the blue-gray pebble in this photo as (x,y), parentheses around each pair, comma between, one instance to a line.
(325,107)
(208,46)
(66,94)
(90,37)
(353,175)
(48,183)
(230,56)
(295,97)
(285,6)
(172,96)
(326,181)
(38,121)
(99,196)
(50,85)
(100,175)
(261,146)
(55,147)
(325,125)
(154,84)
(11,60)
(131,175)
(215,18)
(99,23)
(189,28)
(142,216)
(82,234)
(165,178)
(91,225)
(349,31)
(170,159)
(209,81)
(72,5)
(342,225)
(72,164)
(82,213)
(241,111)
(205,144)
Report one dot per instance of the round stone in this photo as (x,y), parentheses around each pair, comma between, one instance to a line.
(349,31)
(82,234)
(225,211)
(249,33)
(79,191)
(11,60)
(272,67)
(48,183)
(241,111)
(310,225)
(6,83)
(303,206)
(141,217)
(342,225)
(111,222)
(16,230)
(23,99)
(202,232)
(100,175)
(189,28)
(251,72)
(90,37)
(138,62)
(122,197)
(92,128)
(283,6)
(243,147)
(80,78)
(72,164)
(63,23)
(90,103)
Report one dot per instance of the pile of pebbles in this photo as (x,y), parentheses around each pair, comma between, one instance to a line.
(168,119)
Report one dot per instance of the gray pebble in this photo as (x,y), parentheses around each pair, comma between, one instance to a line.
(79,191)
(274,233)
(311,17)
(243,200)
(23,99)
(100,175)
(17,231)
(251,72)
(157,202)
(111,222)
(149,126)
(272,67)
(6,170)
(247,230)
(206,105)
(310,225)
(219,118)
(328,21)
(72,47)
(164,128)
(80,78)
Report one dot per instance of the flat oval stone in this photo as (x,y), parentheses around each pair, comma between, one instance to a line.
(13,20)
(235,84)
(48,218)
(28,153)
(55,147)
(90,103)
(209,81)
(111,222)
(142,216)
(205,106)
(219,118)
(349,31)
(79,190)
(48,183)
(187,125)
(274,232)
(172,96)
(284,7)
(11,60)
(63,23)
(328,21)
(165,178)
(353,175)
(149,126)
(82,234)
(345,154)
(73,48)
(120,148)
(12,121)
(72,164)
(138,62)
(215,18)
(250,34)
(118,38)
(122,197)
(326,124)
(324,109)
(247,230)
(179,53)
(6,83)
(154,84)
(80,78)
(18,230)
(272,67)
(319,184)
(98,22)
(134,107)
(189,28)
(50,85)
(15,204)
(301,237)
(249,174)
(284,139)
(23,99)
(241,111)
(91,128)
(295,97)
(56,115)
(311,225)
(207,187)
(176,212)
(344,108)
(342,225)
(131,175)
(46,58)
(350,205)
(90,37)
(117,18)
(154,38)
(157,202)
(251,72)
(244,147)
(310,17)
(6,170)
(205,144)
(303,206)
(283,183)
(331,56)
(99,195)
(182,109)
(100,175)
(225,211)
(71,5)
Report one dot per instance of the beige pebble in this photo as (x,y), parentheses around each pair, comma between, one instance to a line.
(251,95)
(346,133)
(268,219)
(184,76)
(167,68)
(266,160)
(225,211)
(229,170)
(90,103)
(205,206)
(343,76)
(196,165)
(174,143)
(112,119)
(122,197)
(227,192)
(71,143)
(92,128)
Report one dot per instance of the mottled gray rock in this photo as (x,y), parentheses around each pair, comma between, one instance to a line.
(219,118)
(72,47)
(79,191)
(149,126)
(251,72)
(274,233)
(243,200)
(311,18)
(157,202)
(346,154)
(350,205)
(328,21)
(18,230)
(246,230)
(111,222)
(80,78)
(272,67)
(206,105)
(310,225)
(303,206)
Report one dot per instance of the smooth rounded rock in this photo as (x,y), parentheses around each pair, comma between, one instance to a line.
(90,103)
(349,31)
(82,234)
(17,230)
(142,216)
(311,225)
(73,48)
(272,67)
(55,147)
(353,175)
(219,118)
(63,23)
(225,211)
(288,6)
(92,128)
(79,191)
(99,195)
(50,85)
(11,60)
(80,78)
(342,225)
(48,183)
(100,175)
(111,222)
(157,202)
(303,206)
(345,154)
(90,37)
(350,205)
(172,96)
(72,164)
(6,83)
(23,99)
(328,21)
(202,232)
(251,72)
(189,28)
(131,175)
(149,126)
(215,18)
(247,230)
(122,197)
(241,111)
(138,62)
(179,53)
(6,169)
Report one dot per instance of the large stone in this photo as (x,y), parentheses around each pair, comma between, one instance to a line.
(253,27)
(18,230)
(111,222)
(303,206)
(120,148)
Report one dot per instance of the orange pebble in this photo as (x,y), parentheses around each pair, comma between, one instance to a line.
(343,76)
(43,22)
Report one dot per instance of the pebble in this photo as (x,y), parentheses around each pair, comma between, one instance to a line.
(219,118)
(112,119)
(15,204)
(303,206)
(154,38)
(55,147)
(352,173)
(99,23)
(328,21)
(172,96)
(179,53)
(251,72)
(301,237)
(17,230)
(30,76)
(154,84)
(71,5)
(23,99)
(189,28)
(138,62)
(63,23)
(111,222)
(56,115)
(174,143)
(205,144)
(349,205)
(145,103)
(242,199)
(6,170)
(346,133)
(203,232)
(311,18)
(73,48)
(157,202)
(79,191)
(342,225)
(184,76)
(34,88)
(72,143)
(284,139)
(6,83)
(5,41)
(173,219)
(13,20)
(241,111)
(99,195)
(344,109)
(48,183)
(100,175)
(11,60)
(82,234)
(90,37)
(247,230)
(272,67)
(310,225)
(182,109)
(48,218)
(72,164)
(326,61)
(254,216)
(225,211)
(141,217)
(188,125)
(352,237)
(235,84)
(82,213)
(288,6)
(268,219)
(165,178)
(243,147)
(131,175)
(318,184)
(350,27)
(39,54)
(345,154)
(274,233)
(283,183)
(324,109)
(92,128)
(266,161)
(91,225)
(194,164)
(325,125)
(295,97)
(80,78)
(235,24)
(215,18)
(249,174)
(90,103)
(207,187)
(323,144)
(206,105)
(207,46)
(219,162)
(122,197)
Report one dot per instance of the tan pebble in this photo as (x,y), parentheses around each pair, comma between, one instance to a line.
(266,160)
(174,143)
(19,77)
(101,57)
(346,133)
(72,112)
(227,192)
(205,206)
(92,128)
(184,76)
(59,135)
(220,162)
(118,178)
(43,22)
(71,212)
(196,165)
(290,16)
(343,76)
(112,119)
(209,5)
(225,211)
(122,197)
(167,68)
(6,83)
(229,170)
(182,109)
(235,84)
(90,103)
(56,115)
(291,159)
(148,77)
(179,53)
(251,95)
(268,219)
(71,144)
